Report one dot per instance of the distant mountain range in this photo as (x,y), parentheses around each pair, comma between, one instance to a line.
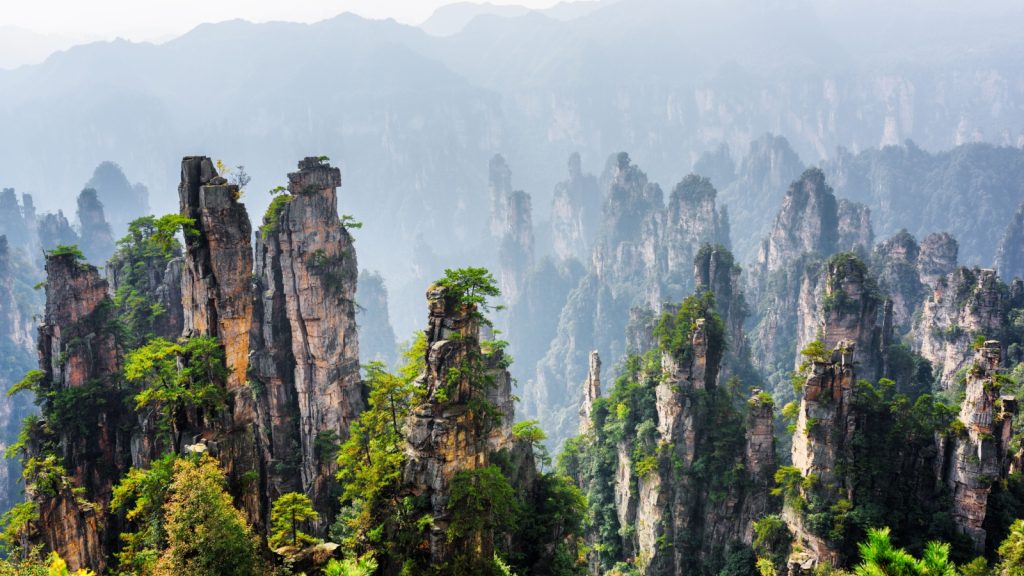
(413,118)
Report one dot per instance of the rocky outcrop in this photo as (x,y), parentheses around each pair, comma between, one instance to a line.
(684,519)
(218,266)
(217,301)
(515,254)
(79,358)
(305,343)
(376,336)
(938,258)
(97,240)
(55,230)
(123,200)
(759,187)
(591,392)
(575,213)
(692,221)
(759,460)
(895,262)
(977,458)
(963,306)
(808,223)
(785,280)
(855,233)
(848,308)
(445,435)
(715,271)
(1010,254)
(157,278)
(13,219)
(823,435)
(500,186)
(643,258)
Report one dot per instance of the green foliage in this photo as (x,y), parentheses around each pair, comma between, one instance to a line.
(1011,551)
(816,352)
(471,287)
(206,535)
(349,222)
(31,382)
(66,250)
(674,332)
(843,266)
(141,495)
(365,566)
(531,432)
(150,244)
(480,501)
(173,378)
(272,217)
(880,558)
(772,540)
(288,514)
(16,525)
(376,516)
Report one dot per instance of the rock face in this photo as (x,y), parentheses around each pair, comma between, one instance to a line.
(715,271)
(824,431)
(376,336)
(55,230)
(784,280)
(14,219)
(515,254)
(759,187)
(575,213)
(591,392)
(305,343)
(18,350)
(124,201)
(217,301)
(962,306)
(684,520)
(896,263)
(849,309)
(444,435)
(500,187)
(78,355)
(855,233)
(643,257)
(978,457)
(938,257)
(807,223)
(97,239)
(159,278)
(1010,254)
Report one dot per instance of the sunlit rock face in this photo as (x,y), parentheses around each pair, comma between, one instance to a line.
(305,347)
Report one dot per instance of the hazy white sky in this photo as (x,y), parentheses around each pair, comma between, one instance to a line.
(156,19)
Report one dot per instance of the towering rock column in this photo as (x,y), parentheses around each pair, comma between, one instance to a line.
(97,239)
(979,454)
(575,213)
(516,251)
(305,345)
(963,305)
(1010,254)
(217,301)
(445,434)
(78,355)
(591,392)
(824,431)
(937,257)
(216,280)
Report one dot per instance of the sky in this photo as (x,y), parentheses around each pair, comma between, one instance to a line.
(155,20)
